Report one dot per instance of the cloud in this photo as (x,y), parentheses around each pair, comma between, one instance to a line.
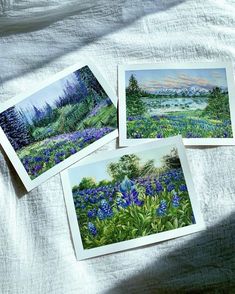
(181,81)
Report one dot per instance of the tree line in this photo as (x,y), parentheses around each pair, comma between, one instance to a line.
(130,165)
(18,125)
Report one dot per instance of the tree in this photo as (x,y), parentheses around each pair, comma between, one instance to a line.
(172,160)
(218,104)
(38,114)
(87,183)
(15,128)
(148,168)
(128,165)
(133,87)
(135,105)
(48,110)
(89,84)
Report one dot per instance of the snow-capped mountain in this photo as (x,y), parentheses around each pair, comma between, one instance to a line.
(190,91)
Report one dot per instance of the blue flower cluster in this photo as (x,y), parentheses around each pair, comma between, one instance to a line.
(92,229)
(56,149)
(161,210)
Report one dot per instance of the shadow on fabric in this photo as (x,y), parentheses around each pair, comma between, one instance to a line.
(206,264)
(110,16)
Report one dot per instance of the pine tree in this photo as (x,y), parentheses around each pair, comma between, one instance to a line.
(14,128)
(38,114)
(133,87)
(48,110)
(88,81)
(134,103)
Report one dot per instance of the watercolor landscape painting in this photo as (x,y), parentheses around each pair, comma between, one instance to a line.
(166,102)
(130,196)
(58,121)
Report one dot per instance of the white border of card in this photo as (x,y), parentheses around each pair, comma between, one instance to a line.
(124,141)
(82,253)
(25,178)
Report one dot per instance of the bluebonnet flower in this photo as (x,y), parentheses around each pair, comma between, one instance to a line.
(129,192)
(159,135)
(121,203)
(161,210)
(106,208)
(175,200)
(100,214)
(159,187)
(38,158)
(134,197)
(149,190)
(170,187)
(72,151)
(91,213)
(183,188)
(92,229)
(38,167)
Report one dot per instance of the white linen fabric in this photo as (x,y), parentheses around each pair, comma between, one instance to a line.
(39,38)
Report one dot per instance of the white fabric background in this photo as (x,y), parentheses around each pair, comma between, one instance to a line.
(39,38)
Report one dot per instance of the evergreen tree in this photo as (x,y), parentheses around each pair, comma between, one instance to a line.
(218,104)
(14,128)
(133,87)
(134,103)
(88,81)
(48,110)
(38,114)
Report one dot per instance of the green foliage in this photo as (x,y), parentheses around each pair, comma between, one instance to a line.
(172,160)
(75,188)
(133,87)
(105,117)
(136,221)
(128,165)
(134,104)
(104,183)
(148,169)
(70,119)
(218,105)
(87,183)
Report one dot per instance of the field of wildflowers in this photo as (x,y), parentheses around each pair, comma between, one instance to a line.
(58,121)
(186,124)
(113,211)
(198,115)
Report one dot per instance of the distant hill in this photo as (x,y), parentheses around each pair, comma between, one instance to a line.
(190,91)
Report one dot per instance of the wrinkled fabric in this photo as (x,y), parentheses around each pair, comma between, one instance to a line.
(40,38)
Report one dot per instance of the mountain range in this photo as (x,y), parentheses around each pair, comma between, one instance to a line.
(190,91)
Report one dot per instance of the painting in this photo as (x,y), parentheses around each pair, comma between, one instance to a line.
(163,102)
(59,121)
(128,195)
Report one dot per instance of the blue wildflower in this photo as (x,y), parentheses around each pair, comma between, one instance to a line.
(161,210)
(149,190)
(159,187)
(183,188)
(100,214)
(92,229)
(170,187)
(91,213)
(175,200)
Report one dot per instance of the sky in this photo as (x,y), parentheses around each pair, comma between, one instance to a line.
(48,94)
(98,171)
(152,80)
